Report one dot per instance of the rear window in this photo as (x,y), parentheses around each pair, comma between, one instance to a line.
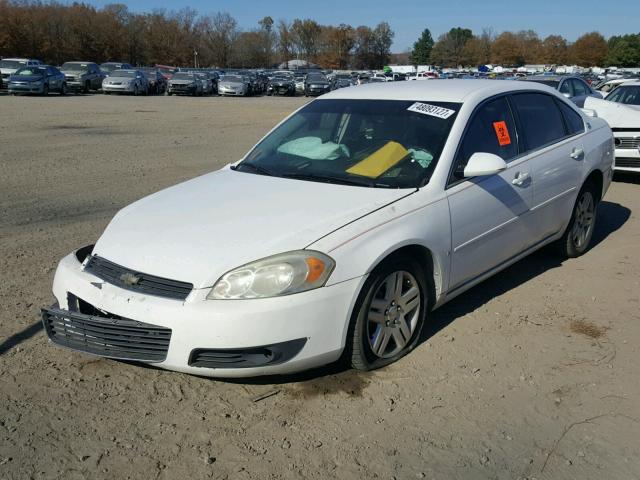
(540,118)
(573,120)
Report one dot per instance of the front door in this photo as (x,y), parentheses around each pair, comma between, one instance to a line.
(487,212)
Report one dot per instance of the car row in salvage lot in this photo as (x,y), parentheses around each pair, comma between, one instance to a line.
(374,206)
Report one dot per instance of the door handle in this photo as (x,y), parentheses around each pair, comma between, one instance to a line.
(577,154)
(520,178)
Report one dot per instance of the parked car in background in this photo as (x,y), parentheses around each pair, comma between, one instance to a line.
(126,81)
(316,84)
(207,83)
(157,82)
(109,67)
(573,88)
(607,86)
(236,85)
(9,66)
(299,80)
(340,232)
(184,83)
(83,76)
(342,80)
(282,84)
(621,110)
(38,79)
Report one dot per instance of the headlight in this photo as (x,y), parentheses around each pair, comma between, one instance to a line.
(282,274)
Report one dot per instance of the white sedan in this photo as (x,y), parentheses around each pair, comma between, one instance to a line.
(621,110)
(340,232)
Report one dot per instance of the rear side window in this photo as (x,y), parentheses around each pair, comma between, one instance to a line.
(573,120)
(491,130)
(580,88)
(540,119)
(566,88)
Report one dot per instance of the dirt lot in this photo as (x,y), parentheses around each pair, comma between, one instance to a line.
(533,374)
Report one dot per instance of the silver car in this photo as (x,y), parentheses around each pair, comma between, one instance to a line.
(126,81)
(234,85)
(573,88)
(184,83)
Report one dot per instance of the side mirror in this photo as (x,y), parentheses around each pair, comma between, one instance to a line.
(589,112)
(482,164)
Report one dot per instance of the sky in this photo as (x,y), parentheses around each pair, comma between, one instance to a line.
(408,18)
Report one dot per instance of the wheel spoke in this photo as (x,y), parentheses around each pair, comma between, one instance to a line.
(398,338)
(381,340)
(403,327)
(410,299)
(376,317)
(397,289)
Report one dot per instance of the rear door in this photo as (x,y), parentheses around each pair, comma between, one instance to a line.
(487,212)
(552,136)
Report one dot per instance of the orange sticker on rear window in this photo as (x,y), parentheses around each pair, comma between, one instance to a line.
(502,132)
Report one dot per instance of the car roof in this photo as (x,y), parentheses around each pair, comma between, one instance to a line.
(628,83)
(455,91)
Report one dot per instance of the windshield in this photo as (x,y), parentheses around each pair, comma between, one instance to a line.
(75,67)
(374,143)
(11,63)
(109,67)
(316,78)
(183,76)
(124,74)
(629,95)
(232,78)
(28,71)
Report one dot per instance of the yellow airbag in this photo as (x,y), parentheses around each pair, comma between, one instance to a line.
(380,161)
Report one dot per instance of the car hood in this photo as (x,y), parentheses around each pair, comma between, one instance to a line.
(617,115)
(120,79)
(181,82)
(200,229)
(231,84)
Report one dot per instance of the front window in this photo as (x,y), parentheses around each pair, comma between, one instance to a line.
(550,83)
(30,71)
(629,95)
(379,143)
(12,64)
(75,67)
(233,79)
(183,76)
(124,74)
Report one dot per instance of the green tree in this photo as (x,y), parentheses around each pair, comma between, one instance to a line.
(421,52)
(448,50)
(624,51)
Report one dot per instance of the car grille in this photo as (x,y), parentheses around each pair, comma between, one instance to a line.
(137,281)
(116,337)
(627,142)
(628,162)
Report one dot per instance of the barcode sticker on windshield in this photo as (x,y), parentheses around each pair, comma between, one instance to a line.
(431,110)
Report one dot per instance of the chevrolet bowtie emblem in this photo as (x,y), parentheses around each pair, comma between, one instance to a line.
(129,279)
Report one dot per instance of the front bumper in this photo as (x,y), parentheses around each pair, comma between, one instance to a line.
(627,158)
(231,91)
(319,317)
(25,87)
(117,88)
(316,91)
(182,90)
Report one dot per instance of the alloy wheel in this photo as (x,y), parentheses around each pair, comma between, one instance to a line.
(583,221)
(393,314)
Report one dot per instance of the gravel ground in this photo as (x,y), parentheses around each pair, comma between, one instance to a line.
(532,374)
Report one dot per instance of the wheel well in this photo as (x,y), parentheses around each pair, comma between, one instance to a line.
(424,256)
(596,179)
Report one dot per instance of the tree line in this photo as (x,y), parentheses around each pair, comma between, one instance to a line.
(460,47)
(55,33)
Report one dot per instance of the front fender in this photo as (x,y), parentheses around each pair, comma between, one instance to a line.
(360,246)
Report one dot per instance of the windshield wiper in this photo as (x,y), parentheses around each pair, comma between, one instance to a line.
(361,182)
(255,168)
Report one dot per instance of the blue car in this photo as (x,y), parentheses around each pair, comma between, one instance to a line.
(37,79)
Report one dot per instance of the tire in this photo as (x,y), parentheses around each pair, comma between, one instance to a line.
(87,87)
(135,91)
(45,90)
(381,334)
(577,237)
(63,89)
